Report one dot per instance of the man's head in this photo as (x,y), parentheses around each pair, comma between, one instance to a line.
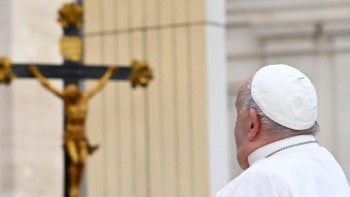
(277,102)
(72,92)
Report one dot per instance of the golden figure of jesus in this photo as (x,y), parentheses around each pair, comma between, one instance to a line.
(75,141)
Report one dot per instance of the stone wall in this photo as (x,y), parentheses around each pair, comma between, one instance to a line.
(165,140)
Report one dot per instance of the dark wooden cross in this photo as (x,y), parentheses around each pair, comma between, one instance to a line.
(73,70)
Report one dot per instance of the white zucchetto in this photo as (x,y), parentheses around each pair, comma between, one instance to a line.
(285,95)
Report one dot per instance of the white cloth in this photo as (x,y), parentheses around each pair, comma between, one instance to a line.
(306,170)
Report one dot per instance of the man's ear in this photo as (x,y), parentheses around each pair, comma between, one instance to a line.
(254,126)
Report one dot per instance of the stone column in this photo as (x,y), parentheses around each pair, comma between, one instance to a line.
(170,139)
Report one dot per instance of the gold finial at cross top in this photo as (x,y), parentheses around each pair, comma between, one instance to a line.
(71,15)
(6,74)
(141,74)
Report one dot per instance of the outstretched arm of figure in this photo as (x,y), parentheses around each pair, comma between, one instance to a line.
(33,70)
(108,74)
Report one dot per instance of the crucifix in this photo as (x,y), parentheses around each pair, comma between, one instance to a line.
(76,145)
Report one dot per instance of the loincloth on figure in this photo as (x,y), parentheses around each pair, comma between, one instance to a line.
(77,138)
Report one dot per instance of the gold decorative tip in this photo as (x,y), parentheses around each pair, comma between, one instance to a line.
(71,48)
(141,74)
(6,74)
(71,15)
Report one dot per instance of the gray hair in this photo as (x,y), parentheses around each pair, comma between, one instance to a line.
(269,125)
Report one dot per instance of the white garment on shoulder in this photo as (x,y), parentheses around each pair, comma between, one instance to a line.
(306,170)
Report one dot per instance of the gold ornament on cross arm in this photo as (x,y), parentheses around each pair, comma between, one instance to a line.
(6,74)
(71,15)
(141,74)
